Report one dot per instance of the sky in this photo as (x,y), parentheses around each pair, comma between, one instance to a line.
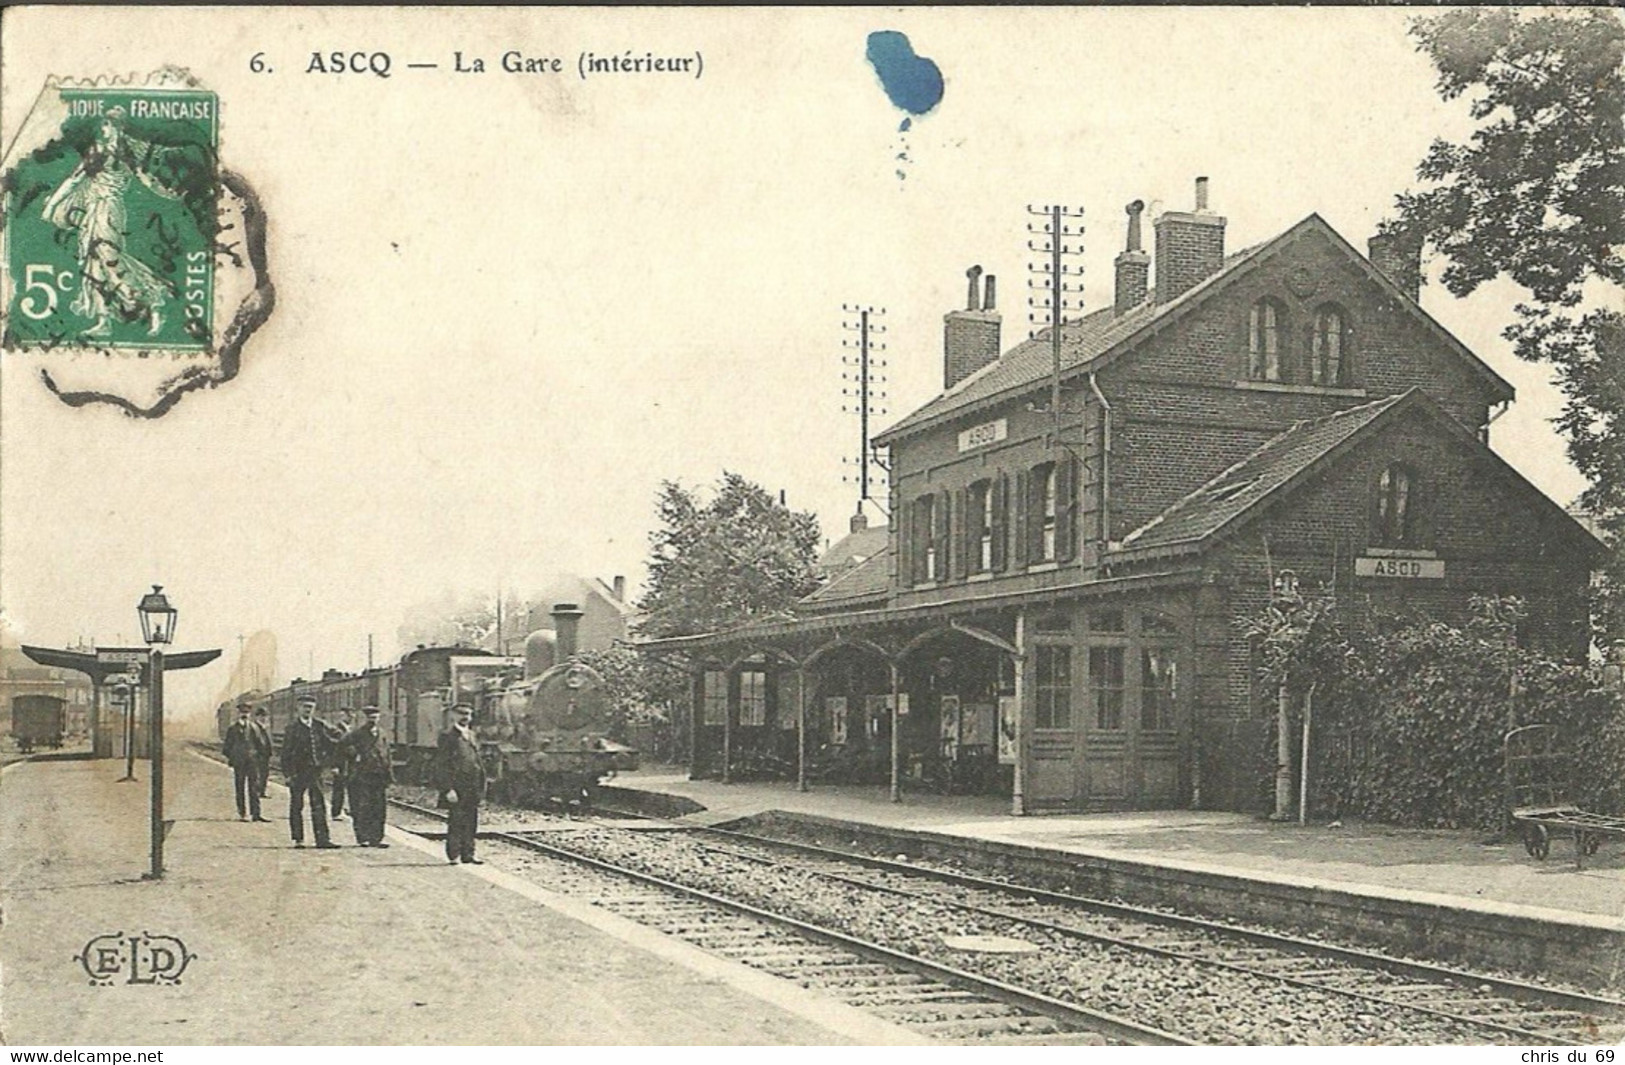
(510,305)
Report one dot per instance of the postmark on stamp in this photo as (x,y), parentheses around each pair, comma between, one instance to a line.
(134,262)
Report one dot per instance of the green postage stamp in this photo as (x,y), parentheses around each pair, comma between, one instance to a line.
(113,226)
(125,236)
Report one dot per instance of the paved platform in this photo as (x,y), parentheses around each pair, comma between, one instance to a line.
(1455,869)
(350,946)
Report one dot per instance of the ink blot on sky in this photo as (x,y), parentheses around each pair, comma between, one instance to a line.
(912,82)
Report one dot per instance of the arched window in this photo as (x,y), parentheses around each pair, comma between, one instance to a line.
(1395,517)
(1264,341)
(1328,354)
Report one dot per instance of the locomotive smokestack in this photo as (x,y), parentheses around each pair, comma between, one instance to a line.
(566,628)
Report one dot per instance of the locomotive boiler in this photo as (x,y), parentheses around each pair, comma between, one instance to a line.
(549,734)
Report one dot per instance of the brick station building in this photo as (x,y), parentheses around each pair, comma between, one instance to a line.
(1052,616)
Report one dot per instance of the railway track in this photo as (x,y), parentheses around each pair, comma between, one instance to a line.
(927,996)
(1267,987)
(1527,1012)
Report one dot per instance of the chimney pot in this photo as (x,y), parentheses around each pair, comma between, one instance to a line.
(619,588)
(1190,246)
(970,337)
(987,293)
(1133,265)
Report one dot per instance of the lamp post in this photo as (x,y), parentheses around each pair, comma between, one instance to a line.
(157,628)
(124,699)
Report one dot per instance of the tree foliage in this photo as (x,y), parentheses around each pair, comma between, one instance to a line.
(715,563)
(1537,195)
(1410,713)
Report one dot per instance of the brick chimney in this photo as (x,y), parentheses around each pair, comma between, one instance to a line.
(970,338)
(1133,265)
(567,629)
(860,520)
(1190,247)
(1399,257)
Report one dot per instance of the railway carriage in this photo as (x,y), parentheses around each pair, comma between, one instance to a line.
(38,721)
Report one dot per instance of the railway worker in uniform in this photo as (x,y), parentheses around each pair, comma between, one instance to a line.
(261,726)
(460,776)
(370,776)
(306,744)
(246,757)
(343,758)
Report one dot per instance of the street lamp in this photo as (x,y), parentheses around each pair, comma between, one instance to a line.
(157,628)
(157,617)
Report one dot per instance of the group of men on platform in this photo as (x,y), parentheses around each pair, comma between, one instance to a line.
(360,759)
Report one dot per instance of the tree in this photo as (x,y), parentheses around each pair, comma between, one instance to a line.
(718,563)
(1537,195)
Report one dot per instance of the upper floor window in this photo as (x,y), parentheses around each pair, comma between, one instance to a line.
(1396,506)
(752,698)
(1328,354)
(1049,495)
(1264,341)
(927,563)
(979,518)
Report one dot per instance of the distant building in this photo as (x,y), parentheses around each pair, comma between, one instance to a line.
(1053,615)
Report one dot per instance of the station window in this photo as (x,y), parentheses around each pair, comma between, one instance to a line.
(1395,507)
(714,702)
(1264,341)
(752,698)
(1159,675)
(1054,690)
(926,560)
(1106,685)
(1328,356)
(1042,511)
(979,533)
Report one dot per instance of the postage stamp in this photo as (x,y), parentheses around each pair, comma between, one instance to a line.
(125,236)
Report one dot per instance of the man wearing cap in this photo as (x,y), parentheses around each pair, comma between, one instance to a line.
(306,744)
(460,776)
(342,759)
(261,731)
(370,776)
(246,756)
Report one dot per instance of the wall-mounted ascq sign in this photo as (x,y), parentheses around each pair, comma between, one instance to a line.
(982,435)
(1427,569)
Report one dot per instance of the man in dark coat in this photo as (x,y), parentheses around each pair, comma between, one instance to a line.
(460,776)
(261,730)
(370,775)
(306,748)
(343,757)
(246,755)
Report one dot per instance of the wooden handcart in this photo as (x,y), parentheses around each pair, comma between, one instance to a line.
(1538,767)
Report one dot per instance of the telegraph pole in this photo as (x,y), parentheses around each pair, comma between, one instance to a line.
(862,388)
(1056,234)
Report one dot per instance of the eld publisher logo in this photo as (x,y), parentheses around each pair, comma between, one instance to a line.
(142,959)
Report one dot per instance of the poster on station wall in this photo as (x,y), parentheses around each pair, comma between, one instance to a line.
(835,709)
(1007,730)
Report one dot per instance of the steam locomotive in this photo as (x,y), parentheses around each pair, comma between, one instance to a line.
(545,720)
